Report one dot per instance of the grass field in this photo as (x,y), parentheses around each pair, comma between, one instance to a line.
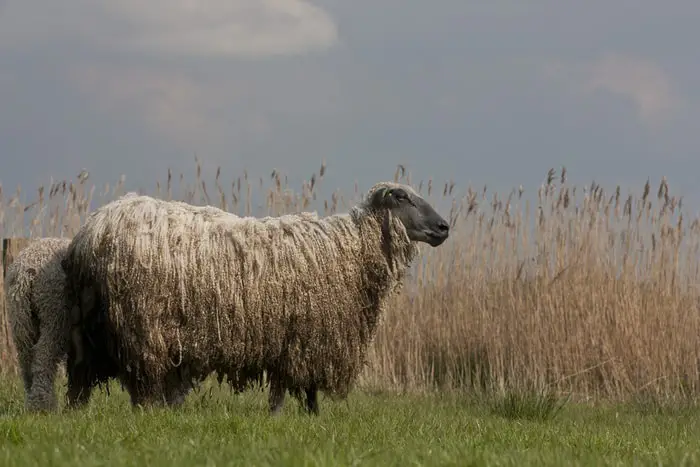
(215,427)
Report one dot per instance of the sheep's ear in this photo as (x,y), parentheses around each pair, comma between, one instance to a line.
(380,195)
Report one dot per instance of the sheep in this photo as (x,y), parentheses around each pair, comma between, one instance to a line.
(34,287)
(182,291)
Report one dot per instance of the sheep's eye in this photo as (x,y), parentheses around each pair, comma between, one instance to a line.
(400,196)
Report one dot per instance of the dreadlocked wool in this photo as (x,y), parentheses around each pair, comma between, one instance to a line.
(34,289)
(184,291)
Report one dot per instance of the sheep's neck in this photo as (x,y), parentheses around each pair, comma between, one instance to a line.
(387,255)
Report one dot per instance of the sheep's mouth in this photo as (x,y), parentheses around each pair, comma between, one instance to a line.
(436,238)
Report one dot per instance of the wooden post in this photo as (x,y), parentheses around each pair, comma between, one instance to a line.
(3,319)
(4,322)
(10,249)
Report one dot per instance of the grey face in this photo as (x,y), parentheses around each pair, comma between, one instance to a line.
(419,218)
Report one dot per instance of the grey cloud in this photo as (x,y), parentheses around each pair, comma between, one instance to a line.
(453,89)
(220,28)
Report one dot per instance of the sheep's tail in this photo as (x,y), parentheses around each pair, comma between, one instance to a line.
(21,314)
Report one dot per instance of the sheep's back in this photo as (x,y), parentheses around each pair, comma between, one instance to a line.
(198,283)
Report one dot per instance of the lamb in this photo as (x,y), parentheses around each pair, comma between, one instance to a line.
(34,288)
(34,292)
(181,291)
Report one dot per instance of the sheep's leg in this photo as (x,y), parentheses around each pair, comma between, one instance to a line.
(78,393)
(177,388)
(312,400)
(146,391)
(79,385)
(142,397)
(80,381)
(145,397)
(47,356)
(25,336)
(176,397)
(276,398)
(25,357)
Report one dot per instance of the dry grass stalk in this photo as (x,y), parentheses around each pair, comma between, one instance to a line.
(588,290)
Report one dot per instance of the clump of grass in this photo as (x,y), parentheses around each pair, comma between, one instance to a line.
(534,405)
(651,403)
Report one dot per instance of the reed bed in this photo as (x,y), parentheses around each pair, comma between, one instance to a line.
(577,289)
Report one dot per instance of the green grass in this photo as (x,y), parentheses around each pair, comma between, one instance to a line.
(215,427)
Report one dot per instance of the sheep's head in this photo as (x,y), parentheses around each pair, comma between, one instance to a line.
(418,217)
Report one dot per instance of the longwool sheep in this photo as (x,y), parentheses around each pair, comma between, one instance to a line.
(34,287)
(181,291)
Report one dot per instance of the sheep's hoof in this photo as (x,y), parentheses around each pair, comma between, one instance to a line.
(312,401)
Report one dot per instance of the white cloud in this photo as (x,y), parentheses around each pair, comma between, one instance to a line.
(642,82)
(223,28)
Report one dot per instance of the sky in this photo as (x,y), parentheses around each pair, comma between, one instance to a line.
(484,93)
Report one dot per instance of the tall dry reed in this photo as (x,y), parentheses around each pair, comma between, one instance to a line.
(583,290)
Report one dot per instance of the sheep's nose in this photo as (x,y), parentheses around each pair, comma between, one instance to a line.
(443,226)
